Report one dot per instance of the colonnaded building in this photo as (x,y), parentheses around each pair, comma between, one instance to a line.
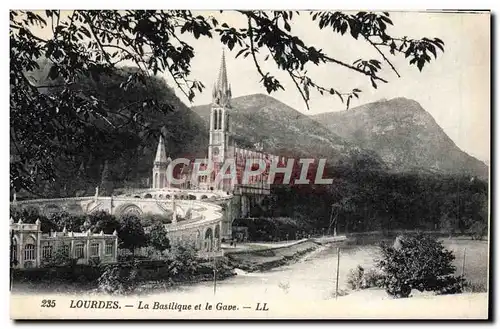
(202,211)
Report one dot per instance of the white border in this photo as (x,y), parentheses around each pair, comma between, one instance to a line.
(189,4)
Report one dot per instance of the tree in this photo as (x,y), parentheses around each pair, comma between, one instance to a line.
(90,43)
(157,237)
(418,262)
(106,180)
(131,233)
(103,221)
(30,215)
(72,223)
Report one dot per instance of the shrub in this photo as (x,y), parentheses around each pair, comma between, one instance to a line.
(418,262)
(355,278)
(58,258)
(360,278)
(374,278)
(183,261)
(118,279)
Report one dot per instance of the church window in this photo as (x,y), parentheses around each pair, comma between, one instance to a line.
(29,252)
(220,119)
(215,119)
(162,180)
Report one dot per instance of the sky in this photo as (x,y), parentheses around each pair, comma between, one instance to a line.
(454,89)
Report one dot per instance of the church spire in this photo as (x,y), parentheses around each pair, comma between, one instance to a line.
(222,89)
(161,155)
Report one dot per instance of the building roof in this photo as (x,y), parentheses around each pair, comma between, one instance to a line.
(222,89)
(161,154)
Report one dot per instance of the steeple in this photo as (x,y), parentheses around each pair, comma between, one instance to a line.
(222,89)
(161,155)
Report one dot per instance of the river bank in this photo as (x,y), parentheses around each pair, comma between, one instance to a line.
(264,257)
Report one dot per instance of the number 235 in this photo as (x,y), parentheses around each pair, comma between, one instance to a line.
(48,303)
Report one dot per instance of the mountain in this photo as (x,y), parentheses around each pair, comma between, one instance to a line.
(404,135)
(282,130)
(128,143)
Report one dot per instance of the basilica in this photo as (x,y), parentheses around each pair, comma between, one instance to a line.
(221,148)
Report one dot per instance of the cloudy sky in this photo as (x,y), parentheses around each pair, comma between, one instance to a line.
(454,89)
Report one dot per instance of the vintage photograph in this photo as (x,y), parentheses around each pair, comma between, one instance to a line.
(177,164)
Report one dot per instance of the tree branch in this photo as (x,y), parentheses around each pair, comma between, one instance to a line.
(383,56)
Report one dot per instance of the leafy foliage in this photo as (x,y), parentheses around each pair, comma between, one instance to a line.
(363,199)
(72,223)
(30,216)
(418,262)
(118,279)
(59,258)
(103,221)
(157,237)
(131,233)
(183,260)
(50,120)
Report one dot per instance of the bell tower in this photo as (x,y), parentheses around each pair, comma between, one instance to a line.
(160,166)
(219,118)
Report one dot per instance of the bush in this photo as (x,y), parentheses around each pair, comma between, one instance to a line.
(418,262)
(355,278)
(183,261)
(360,279)
(118,279)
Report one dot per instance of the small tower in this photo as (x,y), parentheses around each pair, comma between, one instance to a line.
(219,118)
(160,166)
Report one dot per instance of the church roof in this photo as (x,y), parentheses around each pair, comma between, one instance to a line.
(222,89)
(222,83)
(161,155)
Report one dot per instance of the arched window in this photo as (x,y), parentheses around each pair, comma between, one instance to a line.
(220,119)
(155,182)
(14,250)
(29,251)
(148,196)
(162,180)
(209,238)
(215,119)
